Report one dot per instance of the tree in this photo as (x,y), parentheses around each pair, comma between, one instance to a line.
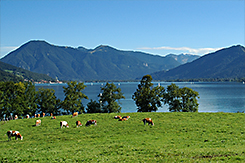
(94,107)
(30,96)
(73,97)
(110,98)
(147,97)
(17,98)
(47,102)
(181,99)
(12,98)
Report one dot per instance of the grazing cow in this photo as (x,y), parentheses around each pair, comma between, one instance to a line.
(64,123)
(38,115)
(127,117)
(16,117)
(117,117)
(53,117)
(43,114)
(27,116)
(15,134)
(89,122)
(75,114)
(149,121)
(78,123)
(51,114)
(38,122)
(35,115)
(122,119)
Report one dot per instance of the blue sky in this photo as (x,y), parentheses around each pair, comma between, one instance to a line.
(153,26)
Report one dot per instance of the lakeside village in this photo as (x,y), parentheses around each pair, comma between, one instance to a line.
(49,82)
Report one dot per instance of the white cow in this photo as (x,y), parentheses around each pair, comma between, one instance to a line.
(64,123)
(38,122)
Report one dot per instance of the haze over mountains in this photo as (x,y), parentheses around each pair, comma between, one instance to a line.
(107,63)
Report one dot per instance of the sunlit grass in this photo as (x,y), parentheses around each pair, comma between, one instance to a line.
(175,137)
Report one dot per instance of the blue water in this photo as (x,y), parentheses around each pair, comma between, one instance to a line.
(214,97)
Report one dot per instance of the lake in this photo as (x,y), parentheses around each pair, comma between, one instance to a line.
(214,96)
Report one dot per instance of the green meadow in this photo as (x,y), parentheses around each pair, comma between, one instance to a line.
(175,137)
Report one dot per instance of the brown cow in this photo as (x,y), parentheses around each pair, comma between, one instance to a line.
(117,117)
(15,134)
(124,118)
(78,123)
(149,121)
(75,114)
(127,117)
(89,122)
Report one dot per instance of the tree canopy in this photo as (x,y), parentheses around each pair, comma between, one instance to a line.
(147,97)
(110,98)
(73,97)
(181,99)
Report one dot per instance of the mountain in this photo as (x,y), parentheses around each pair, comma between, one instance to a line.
(101,63)
(183,58)
(225,63)
(11,73)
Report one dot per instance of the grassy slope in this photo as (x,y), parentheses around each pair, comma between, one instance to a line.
(187,137)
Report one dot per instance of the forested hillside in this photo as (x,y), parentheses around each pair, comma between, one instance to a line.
(225,63)
(12,73)
(101,63)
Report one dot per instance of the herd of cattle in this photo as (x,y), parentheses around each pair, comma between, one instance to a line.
(16,134)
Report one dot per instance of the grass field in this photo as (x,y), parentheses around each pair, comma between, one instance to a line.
(175,137)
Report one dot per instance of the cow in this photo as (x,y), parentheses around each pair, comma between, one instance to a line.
(16,117)
(51,114)
(38,122)
(43,114)
(27,116)
(64,123)
(127,117)
(53,117)
(78,123)
(38,115)
(89,122)
(122,119)
(149,121)
(75,114)
(117,117)
(15,134)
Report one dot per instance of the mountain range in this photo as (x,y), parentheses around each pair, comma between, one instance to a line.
(224,63)
(108,63)
(101,63)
